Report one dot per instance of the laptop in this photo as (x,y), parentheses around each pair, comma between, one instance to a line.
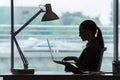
(57,61)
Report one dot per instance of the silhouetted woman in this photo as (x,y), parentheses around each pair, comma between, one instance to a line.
(89,58)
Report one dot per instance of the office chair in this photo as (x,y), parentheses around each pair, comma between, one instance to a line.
(101,57)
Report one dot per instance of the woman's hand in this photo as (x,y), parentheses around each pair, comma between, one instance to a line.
(70,58)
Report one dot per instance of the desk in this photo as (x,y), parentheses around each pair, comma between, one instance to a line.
(51,75)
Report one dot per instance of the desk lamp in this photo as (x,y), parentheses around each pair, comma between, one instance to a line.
(49,15)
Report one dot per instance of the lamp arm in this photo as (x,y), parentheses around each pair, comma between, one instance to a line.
(24,59)
(29,21)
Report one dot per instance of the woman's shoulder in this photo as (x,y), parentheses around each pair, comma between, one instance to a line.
(94,48)
(94,43)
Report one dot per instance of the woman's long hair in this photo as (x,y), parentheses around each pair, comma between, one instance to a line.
(91,25)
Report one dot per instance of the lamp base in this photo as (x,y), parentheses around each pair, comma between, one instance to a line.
(22,71)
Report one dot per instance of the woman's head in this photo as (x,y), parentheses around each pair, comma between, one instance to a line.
(89,25)
(89,30)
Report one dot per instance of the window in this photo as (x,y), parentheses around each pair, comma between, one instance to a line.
(62,33)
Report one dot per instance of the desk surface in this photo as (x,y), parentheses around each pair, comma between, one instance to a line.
(53,75)
(57,73)
(60,73)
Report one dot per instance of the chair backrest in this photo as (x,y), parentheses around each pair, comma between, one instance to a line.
(101,57)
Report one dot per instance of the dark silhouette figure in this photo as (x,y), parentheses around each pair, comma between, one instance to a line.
(90,56)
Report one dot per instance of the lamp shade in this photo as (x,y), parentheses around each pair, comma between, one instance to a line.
(49,15)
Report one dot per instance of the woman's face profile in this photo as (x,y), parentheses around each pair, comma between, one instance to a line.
(86,35)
